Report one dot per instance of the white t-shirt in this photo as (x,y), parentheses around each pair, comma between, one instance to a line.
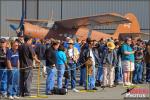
(70,53)
(92,55)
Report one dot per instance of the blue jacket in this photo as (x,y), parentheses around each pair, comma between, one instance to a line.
(97,55)
(109,57)
(60,57)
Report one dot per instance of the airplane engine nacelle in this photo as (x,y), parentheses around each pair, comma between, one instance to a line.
(35,31)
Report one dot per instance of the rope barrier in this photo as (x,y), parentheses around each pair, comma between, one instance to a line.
(34,68)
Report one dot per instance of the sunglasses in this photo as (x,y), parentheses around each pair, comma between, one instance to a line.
(90,43)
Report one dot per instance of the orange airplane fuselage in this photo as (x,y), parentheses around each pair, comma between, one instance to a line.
(36,31)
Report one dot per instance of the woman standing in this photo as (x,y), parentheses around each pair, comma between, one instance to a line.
(61,60)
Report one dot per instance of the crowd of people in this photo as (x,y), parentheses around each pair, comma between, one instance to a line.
(105,63)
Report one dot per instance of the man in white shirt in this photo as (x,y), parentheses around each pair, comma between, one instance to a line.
(72,56)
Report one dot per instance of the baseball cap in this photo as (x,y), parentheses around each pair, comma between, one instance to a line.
(2,40)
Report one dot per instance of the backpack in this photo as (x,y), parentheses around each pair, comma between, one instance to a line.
(62,91)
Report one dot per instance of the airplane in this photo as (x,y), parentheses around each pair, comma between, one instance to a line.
(81,27)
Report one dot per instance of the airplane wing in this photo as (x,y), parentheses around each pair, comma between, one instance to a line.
(104,19)
(110,18)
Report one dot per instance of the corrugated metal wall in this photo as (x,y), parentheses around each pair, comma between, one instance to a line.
(47,8)
(31,9)
(9,9)
(76,8)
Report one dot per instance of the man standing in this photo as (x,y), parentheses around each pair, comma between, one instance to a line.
(109,62)
(127,61)
(147,61)
(26,56)
(13,70)
(72,56)
(20,39)
(3,66)
(86,53)
(51,66)
(137,74)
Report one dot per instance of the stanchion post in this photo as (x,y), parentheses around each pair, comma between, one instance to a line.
(38,81)
(87,77)
(38,86)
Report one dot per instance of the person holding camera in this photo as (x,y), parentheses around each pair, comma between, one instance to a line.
(50,54)
(137,74)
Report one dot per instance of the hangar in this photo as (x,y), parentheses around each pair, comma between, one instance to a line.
(63,9)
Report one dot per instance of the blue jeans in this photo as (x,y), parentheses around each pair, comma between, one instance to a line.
(137,74)
(148,72)
(82,75)
(91,80)
(13,83)
(72,75)
(50,81)
(3,81)
(99,76)
(118,74)
(60,73)
(90,86)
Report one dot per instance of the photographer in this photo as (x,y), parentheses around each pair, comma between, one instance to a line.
(137,74)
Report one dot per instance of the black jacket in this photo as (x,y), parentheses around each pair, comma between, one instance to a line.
(26,54)
(85,54)
(50,55)
(3,58)
(40,51)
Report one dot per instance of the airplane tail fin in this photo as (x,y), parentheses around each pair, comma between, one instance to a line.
(18,29)
(129,28)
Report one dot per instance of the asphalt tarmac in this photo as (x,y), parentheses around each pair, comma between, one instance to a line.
(101,94)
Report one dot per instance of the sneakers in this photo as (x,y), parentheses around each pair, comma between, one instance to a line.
(94,88)
(13,97)
(120,83)
(3,96)
(111,86)
(10,98)
(128,84)
(75,90)
(16,97)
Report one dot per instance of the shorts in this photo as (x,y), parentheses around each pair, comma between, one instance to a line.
(128,66)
